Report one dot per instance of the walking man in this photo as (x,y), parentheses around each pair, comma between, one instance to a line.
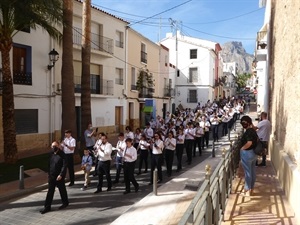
(69,145)
(56,178)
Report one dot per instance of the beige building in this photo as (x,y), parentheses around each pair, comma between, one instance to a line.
(281,51)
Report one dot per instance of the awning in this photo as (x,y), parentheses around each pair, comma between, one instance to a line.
(148,109)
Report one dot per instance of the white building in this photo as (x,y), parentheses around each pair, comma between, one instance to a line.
(197,62)
(230,72)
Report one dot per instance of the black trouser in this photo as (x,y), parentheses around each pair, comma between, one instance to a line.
(224,128)
(198,142)
(103,169)
(215,132)
(129,175)
(169,160)
(156,162)
(205,139)
(143,158)
(119,162)
(189,145)
(52,183)
(179,153)
(70,165)
(264,156)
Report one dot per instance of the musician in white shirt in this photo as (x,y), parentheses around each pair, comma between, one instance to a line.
(121,145)
(144,152)
(179,148)
(157,157)
(148,131)
(198,139)
(130,156)
(170,146)
(104,159)
(189,141)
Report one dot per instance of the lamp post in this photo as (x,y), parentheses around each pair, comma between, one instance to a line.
(53,57)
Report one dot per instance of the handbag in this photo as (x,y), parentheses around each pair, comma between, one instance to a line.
(259,148)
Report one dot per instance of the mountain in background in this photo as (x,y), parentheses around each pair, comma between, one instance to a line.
(234,52)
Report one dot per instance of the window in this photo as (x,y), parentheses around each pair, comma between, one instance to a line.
(119,39)
(193,75)
(95,84)
(26,121)
(193,54)
(119,73)
(22,64)
(133,79)
(192,96)
(143,53)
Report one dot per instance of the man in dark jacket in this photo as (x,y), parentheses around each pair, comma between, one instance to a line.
(56,178)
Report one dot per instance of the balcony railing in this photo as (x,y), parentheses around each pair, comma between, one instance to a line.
(143,57)
(98,86)
(192,100)
(146,93)
(98,42)
(22,78)
(119,81)
(169,92)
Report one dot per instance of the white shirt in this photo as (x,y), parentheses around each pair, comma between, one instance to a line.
(189,132)
(159,147)
(104,152)
(143,145)
(199,131)
(71,142)
(129,135)
(264,130)
(170,143)
(148,132)
(121,146)
(180,139)
(130,154)
(137,137)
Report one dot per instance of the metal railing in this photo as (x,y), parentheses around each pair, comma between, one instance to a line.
(143,57)
(208,206)
(133,87)
(98,42)
(104,87)
(119,81)
(22,78)
(192,100)
(146,93)
(169,92)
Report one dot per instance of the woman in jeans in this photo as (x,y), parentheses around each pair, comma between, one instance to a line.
(248,157)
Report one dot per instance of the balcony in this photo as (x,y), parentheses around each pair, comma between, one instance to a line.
(133,87)
(22,78)
(98,42)
(143,57)
(146,93)
(169,92)
(98,86)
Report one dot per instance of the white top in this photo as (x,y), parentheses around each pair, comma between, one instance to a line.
(143,145)
(121,146)
(137,137)
(214,121)
(129,135)
(170,143)
(71,142)
(158,148)
(199,131)
(264,130)
(104,152)
(189,132)
(148,132)
(130,154)
(180,139)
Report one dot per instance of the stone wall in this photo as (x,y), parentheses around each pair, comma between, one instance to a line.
(285,75)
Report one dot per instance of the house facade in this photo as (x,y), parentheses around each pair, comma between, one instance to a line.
(197,65)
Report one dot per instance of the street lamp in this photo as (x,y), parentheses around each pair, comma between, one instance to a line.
(53,57)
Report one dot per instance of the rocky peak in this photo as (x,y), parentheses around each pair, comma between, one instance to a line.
(234,52)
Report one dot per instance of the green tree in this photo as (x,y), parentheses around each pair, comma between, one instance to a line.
(85,74)
(16,15)
(67,72)
(241,80)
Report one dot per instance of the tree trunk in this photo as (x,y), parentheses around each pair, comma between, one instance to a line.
(67,72)
(9,127)
(85,75)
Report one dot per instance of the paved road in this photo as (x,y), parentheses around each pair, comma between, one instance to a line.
(85,206)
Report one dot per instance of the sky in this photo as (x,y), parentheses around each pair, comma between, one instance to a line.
(215,20)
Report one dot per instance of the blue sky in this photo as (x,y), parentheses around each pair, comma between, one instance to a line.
(215,20)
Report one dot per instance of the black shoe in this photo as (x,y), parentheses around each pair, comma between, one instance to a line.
(98,191)
(63,206)
(71,184)
(116,181)
(137,189)
(126,192)
(159,181)
(45,210)
(262,165)
(139,173)
(150,183)
(108,189)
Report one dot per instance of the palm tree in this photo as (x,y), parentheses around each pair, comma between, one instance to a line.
(85,75)
(17,15)
(67,72)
